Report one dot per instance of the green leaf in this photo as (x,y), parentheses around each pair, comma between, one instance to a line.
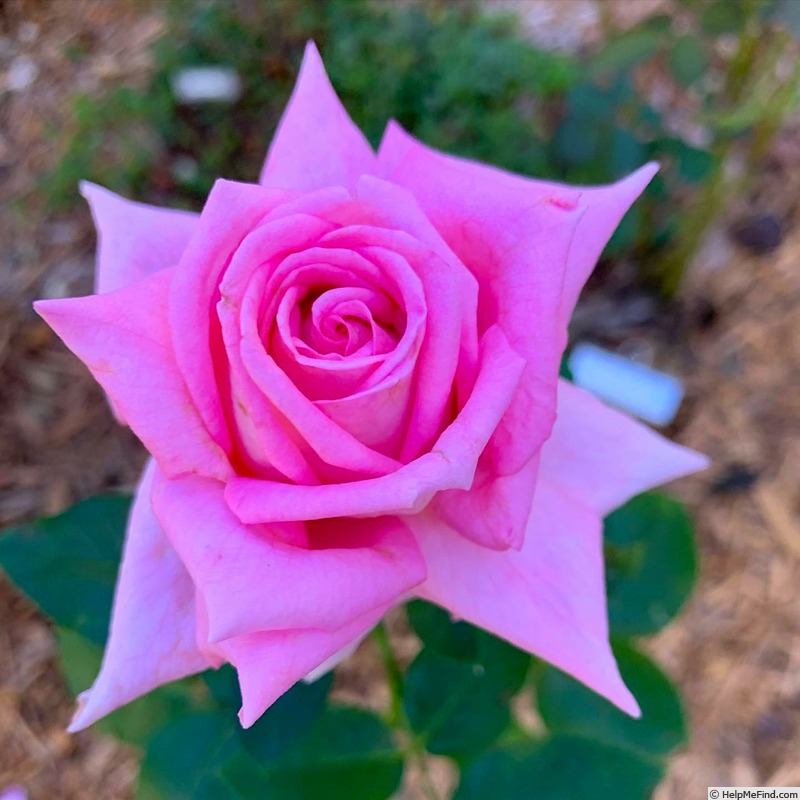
(559,768)
(460,640)
(461,706)
(651,565)
(349,753)
(287,720)
(722,16)
(693,164)
(568,707)
(437,630)
(223,685)
(687,60)
(624,52)
(578,141)
(68,564)
(626,153)
(184,759)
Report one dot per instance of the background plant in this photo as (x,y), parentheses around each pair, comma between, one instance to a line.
(472,86)
(691,90)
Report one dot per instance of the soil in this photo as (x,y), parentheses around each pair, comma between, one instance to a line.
(735,650)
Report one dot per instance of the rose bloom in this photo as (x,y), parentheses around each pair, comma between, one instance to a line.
(347,378)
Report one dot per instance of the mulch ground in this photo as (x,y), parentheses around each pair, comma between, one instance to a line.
(735,650)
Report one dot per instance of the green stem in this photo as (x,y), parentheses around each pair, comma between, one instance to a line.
(394,674)
(397,717)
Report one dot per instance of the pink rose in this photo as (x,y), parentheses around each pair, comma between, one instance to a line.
(347,377)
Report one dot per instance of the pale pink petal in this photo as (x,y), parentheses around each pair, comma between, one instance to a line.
(134,240)
(605,206)
(605,457)
(152,639)
(124,337)
(251,579)
(531,244)
(316,144)
(548,598)
(450,464)
(270,663)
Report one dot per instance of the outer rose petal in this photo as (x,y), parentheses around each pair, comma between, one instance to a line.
(316,144)
(270,663)
(530,244)
(594,453)
(252,580)
(124,337)
(605,457)
(549,598)
(134,240)
(152,639)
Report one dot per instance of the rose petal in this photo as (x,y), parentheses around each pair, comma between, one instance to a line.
(251,580)
(124,337)
(331,443)
(264,436)
(531,244)
(231,211)
(134,240)
(270,663)
(152,638)
(516,243)
(548,598)
(605,457)
(316,144)
(451,300)
(494,513)
(450,464)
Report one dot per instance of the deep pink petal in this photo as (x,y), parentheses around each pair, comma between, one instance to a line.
(392,220)
(134,240)
(531,244)
(152,638)
(316,144)
(605,457)
(450,464)
(251,579)
(548,598)
(230,213)
(124,337)
(493,513)
(264,436)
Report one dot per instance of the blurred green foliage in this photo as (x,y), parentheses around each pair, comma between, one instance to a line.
(462,82)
